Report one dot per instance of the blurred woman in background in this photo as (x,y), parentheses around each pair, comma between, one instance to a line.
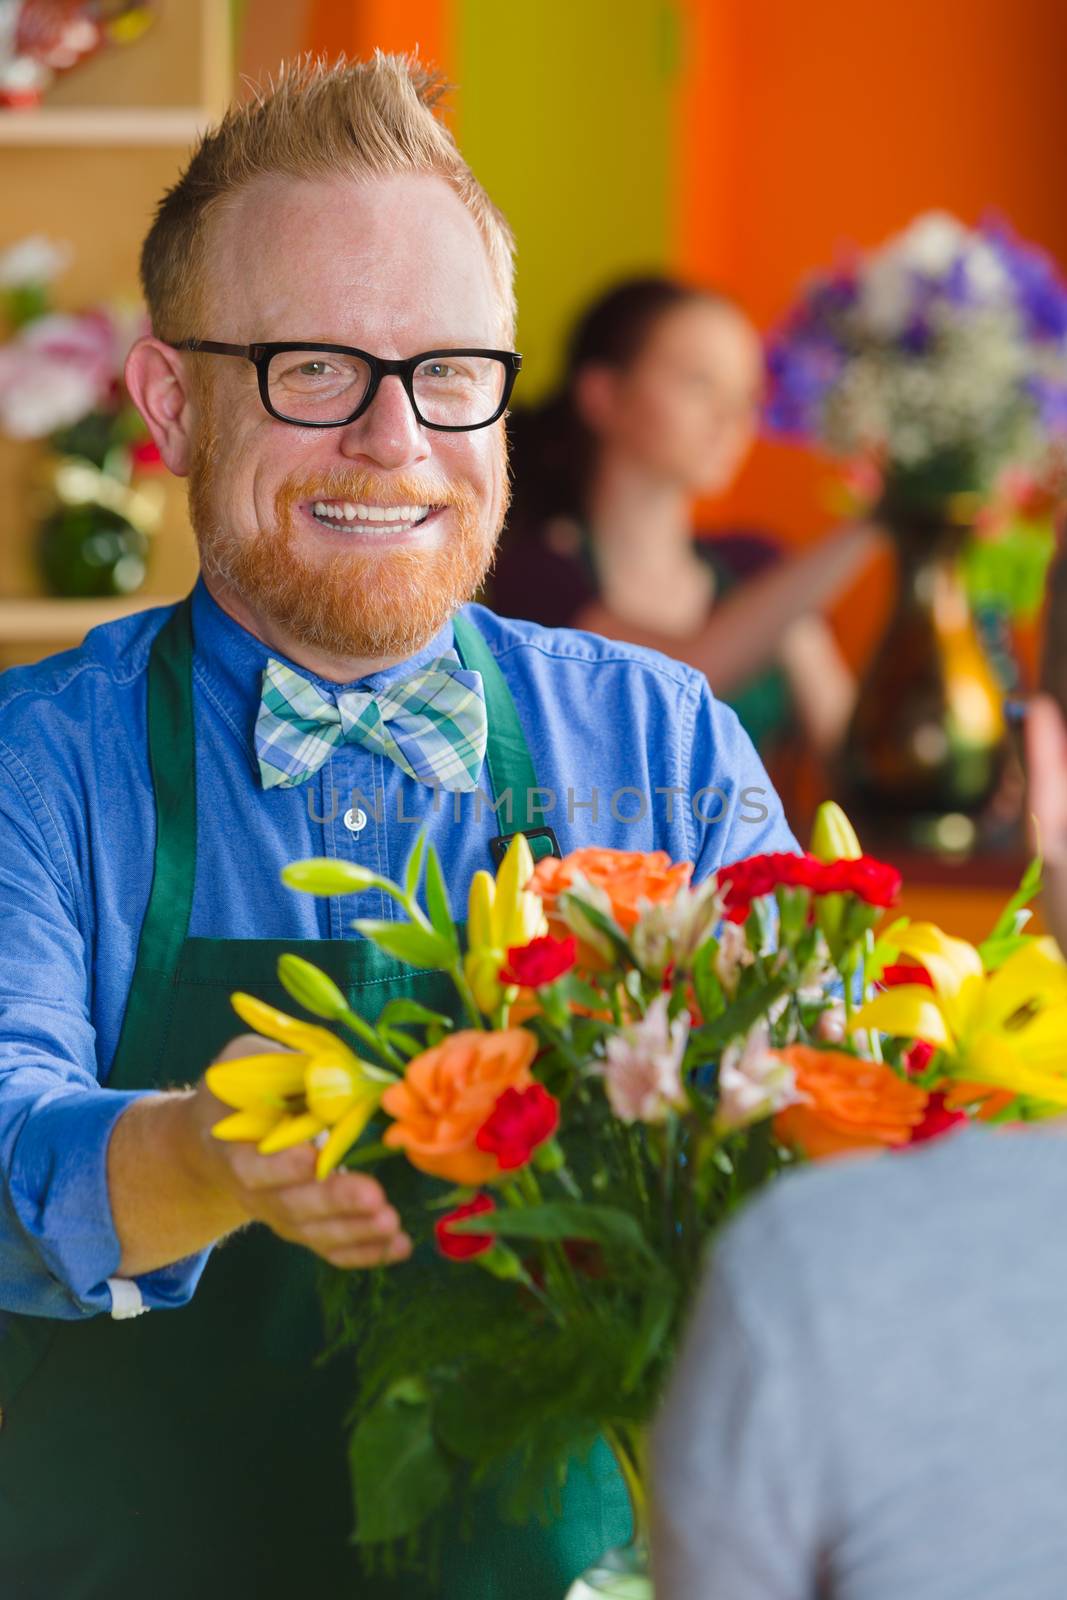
(659,403)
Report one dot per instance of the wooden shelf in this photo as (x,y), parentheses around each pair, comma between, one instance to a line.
(94,125)
(50,621)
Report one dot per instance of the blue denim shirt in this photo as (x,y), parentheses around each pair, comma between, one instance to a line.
(631,748)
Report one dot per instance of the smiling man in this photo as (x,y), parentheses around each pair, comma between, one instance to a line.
(331,360)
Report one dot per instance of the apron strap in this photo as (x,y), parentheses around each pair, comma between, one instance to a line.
(507,755)
(172,758)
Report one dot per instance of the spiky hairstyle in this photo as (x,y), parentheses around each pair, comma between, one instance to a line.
(317,119)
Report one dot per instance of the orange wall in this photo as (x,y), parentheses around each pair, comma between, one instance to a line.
(360,26)
(806,125)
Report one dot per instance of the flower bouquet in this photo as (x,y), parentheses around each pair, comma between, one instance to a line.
(936,366)
(634,1056)
(61,381)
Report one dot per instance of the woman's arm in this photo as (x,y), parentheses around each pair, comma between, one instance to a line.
(745,631)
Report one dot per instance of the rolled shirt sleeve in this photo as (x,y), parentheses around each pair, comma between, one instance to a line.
(58,1245)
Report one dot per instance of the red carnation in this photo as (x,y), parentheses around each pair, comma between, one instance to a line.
(145,454)
(539,962)
(876,882)
(905,972)
(937,1120)
(520,1121)
(918,1058)
(461,1246)
(745,881)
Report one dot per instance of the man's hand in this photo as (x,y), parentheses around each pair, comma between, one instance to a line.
(175,1189)
(344,1218)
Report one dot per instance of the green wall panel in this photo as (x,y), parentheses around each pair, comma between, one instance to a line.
(565,112)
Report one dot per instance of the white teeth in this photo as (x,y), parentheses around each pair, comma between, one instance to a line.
(347,511)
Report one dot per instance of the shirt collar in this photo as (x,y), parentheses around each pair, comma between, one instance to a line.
(230,661)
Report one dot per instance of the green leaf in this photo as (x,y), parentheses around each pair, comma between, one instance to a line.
(321,875)
(609,1226)
(437,903)
(413,870)
(1029,886)
(577,992)
(707,1043)
(657,1313)
(607,926)
(399,1474)
(398,1011)
(994,952)
(709,991)
(368,1155)
(419,947)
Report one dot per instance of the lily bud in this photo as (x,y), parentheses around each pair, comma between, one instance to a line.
(320,875)
(311,988)
(833,838)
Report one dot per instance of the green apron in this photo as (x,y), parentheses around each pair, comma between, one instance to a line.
(200,1453)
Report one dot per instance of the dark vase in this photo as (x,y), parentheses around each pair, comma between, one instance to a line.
(927,741)
(89,550)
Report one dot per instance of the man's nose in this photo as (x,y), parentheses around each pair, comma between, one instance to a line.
(388,434)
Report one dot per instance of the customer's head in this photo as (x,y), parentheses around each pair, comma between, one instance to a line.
(1046,756)
(670,378)
(333,209)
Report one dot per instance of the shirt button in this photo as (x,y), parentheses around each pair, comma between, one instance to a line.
(355,819)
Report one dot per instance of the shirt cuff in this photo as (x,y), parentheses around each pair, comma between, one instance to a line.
(58,1187)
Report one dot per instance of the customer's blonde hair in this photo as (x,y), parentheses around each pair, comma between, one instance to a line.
(359,119)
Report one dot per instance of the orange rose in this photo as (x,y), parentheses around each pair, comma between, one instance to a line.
(990,1101)
(626,877)
(447,1093)
(850,1104)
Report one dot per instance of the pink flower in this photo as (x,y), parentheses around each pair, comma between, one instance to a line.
(643,1069)
(54,372)
(754,1081)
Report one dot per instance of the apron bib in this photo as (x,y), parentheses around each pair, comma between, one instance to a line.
(200,1453)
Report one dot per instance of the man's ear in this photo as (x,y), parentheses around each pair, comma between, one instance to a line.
(158,385)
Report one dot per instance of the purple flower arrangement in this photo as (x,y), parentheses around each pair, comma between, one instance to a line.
(940,357)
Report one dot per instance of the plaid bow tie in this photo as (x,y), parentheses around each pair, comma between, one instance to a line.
(433,725)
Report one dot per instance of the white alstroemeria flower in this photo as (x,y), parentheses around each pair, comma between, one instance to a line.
(569,909)
(36,259)
(734,952)
(672,931)
(643,1070)
(754,1082)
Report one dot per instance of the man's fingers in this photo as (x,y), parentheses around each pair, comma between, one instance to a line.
(342,1194)
(338,1233)
(247,1044)
(372,1255)
(281,1171)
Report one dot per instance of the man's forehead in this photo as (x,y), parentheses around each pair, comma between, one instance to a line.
(399,256)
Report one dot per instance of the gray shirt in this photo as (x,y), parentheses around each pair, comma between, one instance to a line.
(871,1403)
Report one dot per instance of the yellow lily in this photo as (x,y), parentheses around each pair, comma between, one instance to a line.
(1004,1028)
(282,1099)
(501,913)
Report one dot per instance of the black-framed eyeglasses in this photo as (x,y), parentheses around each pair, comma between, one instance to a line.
(328,385)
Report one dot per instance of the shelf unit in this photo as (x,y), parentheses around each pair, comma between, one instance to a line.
(87,168)
(87,126)
(50,621)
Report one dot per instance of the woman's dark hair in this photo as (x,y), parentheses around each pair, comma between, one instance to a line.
(552,450)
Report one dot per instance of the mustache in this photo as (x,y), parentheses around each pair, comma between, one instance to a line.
(360,484)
